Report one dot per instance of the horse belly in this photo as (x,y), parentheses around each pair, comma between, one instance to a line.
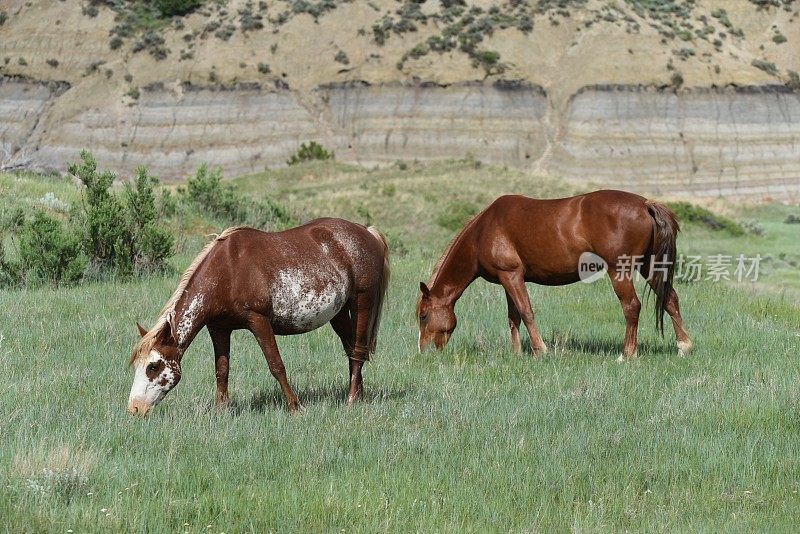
(305,300)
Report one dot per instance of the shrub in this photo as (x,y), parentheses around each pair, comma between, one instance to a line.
(150,245)
(456,214)
(172,8)
(766,66)
(341,57)
(490,61)
(792,219)
(206,193)
(418,51)
(49,252)
(779,38)
(225,32)
(310,152)
(248,20)
(687,212)
(753,227)
(102,217)
(120,237)
(10,274)
(684,53)
(794,80)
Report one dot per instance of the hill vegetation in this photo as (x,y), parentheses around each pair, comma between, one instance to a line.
(226,42)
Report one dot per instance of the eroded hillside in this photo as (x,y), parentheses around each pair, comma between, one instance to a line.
(645,94)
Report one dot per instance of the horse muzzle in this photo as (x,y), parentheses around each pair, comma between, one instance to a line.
(138,407)
(437,342)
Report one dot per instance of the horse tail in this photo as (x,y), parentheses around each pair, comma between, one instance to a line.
(663,253)
(380,296)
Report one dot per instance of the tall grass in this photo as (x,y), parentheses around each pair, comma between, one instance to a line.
(474,438)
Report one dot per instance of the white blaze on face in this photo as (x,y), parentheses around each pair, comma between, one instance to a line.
(151,392)
(300,299)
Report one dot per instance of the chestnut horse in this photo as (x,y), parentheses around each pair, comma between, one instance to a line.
(278,283)
(518,239)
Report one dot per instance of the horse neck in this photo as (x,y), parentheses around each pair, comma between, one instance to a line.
(458,269)
(190,315)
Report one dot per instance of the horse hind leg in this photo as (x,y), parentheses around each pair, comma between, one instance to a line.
(360,315)
(685,345)
(344,326)
(631,306)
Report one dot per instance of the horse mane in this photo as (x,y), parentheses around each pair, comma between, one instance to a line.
(436,268)
(145,344)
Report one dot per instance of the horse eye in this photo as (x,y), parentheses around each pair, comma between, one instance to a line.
(151,368)
(423,316)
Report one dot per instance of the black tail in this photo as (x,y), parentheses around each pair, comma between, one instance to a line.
(663,254)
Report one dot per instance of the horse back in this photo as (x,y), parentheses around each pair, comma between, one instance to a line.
(547,237)
(300,277)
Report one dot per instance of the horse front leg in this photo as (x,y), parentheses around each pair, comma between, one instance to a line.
(221,339)
(514,321)
(262,330)
(514,284)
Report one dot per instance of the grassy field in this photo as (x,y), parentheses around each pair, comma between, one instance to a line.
(474,438)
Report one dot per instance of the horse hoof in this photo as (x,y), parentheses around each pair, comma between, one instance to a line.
(539,351)
(685,348)
(299,409)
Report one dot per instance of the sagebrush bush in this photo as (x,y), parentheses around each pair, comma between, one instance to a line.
(686,212)
(49,252)
(455,215)
(101,217)
(150,245)
(206,192)
(172,8)
(104,235)
(310,152)
(122,237)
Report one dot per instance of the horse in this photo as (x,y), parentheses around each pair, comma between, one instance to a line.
(270,283)
(518,239)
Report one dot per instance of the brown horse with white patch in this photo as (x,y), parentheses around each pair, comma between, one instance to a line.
(277,283)
(518,239)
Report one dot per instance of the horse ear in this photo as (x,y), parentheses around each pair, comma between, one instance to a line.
(425,291)
(142,331)
(166,334)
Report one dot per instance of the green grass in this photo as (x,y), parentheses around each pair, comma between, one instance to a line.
(474,438)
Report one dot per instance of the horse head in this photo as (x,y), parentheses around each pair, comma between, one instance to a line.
(156,359)
(436,317)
